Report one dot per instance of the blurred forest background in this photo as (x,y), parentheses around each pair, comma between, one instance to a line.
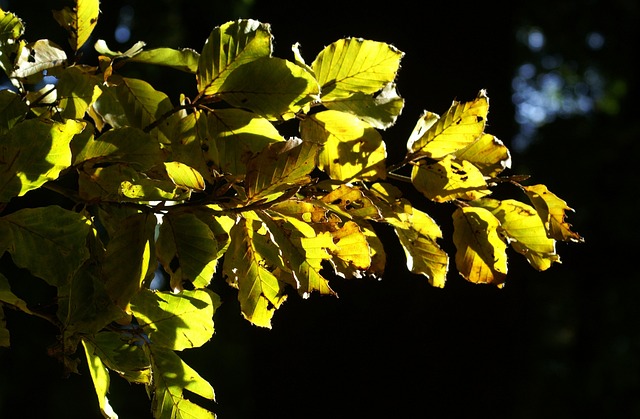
(563,83)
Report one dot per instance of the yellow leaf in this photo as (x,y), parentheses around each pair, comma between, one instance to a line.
(79,21)
(248,265)
(525,231)
(352,248)
(449,179)
(488,154)
(552,212)
(351,202)
(480,252)
(352,149)
(460,126)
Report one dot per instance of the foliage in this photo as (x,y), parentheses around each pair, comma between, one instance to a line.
(210,186)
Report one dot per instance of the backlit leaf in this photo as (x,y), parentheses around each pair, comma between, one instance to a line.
(176,321)
(11,29)
(186,145)
(187,249)
(184,176)
(351,202)
(235,137)
(34,152)
(448,179)
(228,47)
(379,111)
(352,149)
(12,110)
(119,352)
(271,87)
(171,376)
(352,254)
(143,105)
(480,252)
(37,243)
(100,377)
(552,212)
(184,59)
(488,154)
(37,57)
(127,261)
(461,125)
(249,265)
(303,256)
(79,21)
(524,229)
(355,65)
(280,166)
(122,145)
(77,90)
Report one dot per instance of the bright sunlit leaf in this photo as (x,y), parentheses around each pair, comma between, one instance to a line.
(79,21)
(351,148)
(460,126)
(448,179)
(228,47)
(184,59)
(100,377)
(480,252)
(355,65)
(552,211)
(488,154)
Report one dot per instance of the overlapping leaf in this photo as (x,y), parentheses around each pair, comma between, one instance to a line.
(480,251)
(11,29)
(355,65)
(280,166)
(552,211)
(461,125)
(184,59)
(352,149)
(12,110)
(34,152)
(79,21)
(187,249)
(36,57)
(100,377)
(524,229)
(272,87)
(227,48)
(251,259)
(488,154)
(77,90)
(176,321)
(449,179)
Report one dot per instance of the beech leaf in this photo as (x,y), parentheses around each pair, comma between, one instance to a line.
(552,211)
(79,21)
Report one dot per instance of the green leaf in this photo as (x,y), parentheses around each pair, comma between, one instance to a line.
(120,352)
(184,176)
(143,105)
(12,110)
(171,376)
(11,29)
(379,111)
(524,229)
(34,152)
(45,237)
(249,266)
(187,143)
(38,56)
(280,166)
(187,249)
(121,145)
(271,87)
(77,90)
(352,149)
(128,258)
(460,126)
(488,154)
(107,109)
(355,65)
(236,136)
(79,21)
(228,47)
(480,251)
(184,59)
(176,321)
(552,211)
(448,179)
(100,377)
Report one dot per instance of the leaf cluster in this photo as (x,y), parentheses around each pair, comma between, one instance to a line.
(210,185)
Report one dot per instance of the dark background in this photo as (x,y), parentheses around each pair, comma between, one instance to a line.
(562,343)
